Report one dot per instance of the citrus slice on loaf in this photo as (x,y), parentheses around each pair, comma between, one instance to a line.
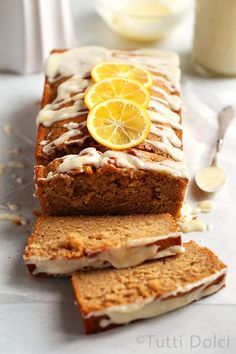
(116,87)
(109,69)
(118,123)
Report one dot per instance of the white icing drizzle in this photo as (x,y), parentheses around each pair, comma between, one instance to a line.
(173,101)
(53,113)
(206,206)
(160,90)
(44,142)
(192,226)
(72,125)
(74,61)
(189,221)
(51,116)
(163,110)
(161,100)
(63,138)
(166,132)
(171,72)
(157,117)
(147,240)
(170,143)
(165,146)
(90,156)
(75,84)
(157,78)
(76,64)
(117,257)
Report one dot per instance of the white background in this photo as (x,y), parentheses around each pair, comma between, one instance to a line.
(38,315)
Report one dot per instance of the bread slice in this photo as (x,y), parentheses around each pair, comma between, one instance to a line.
(62,245)
(109,297)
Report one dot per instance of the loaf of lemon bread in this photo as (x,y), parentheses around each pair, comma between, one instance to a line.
(75,174)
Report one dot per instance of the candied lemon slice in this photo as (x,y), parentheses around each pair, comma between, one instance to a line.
(118,123)
(108,69)
(117,87)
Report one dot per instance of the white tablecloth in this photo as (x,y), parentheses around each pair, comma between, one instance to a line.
(38,315)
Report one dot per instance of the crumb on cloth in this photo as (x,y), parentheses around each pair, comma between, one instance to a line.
(7,129)
(15,218)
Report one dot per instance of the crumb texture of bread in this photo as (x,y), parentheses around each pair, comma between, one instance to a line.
(101,289)
(110,190)
(77,236)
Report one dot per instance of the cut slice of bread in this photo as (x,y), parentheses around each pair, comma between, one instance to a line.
(62,245)
(111,297)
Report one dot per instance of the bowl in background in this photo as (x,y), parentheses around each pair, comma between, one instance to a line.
(143,20)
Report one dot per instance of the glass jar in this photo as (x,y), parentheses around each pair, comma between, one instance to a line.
(214,44)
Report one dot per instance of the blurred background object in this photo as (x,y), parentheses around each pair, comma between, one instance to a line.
(214,45)
(143,20)
(30,29)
